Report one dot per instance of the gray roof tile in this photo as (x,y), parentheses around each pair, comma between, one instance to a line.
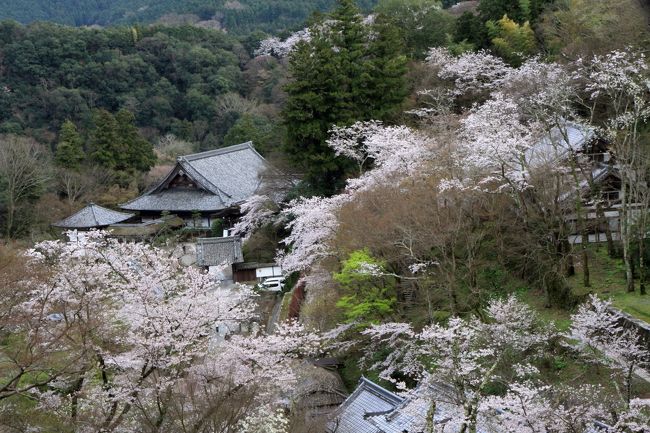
(93,216)
(224,177)
(218,251)
(369,398)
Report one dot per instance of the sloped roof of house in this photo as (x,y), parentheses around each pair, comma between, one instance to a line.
(93,216)
(219,251)
(223,178)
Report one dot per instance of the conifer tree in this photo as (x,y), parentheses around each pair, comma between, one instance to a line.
(386,69)
(104,139)
(343,74)
(117,144)
(69,149)
(136,153)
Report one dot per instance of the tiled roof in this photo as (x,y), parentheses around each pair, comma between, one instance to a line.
(177,200)
(218,251)
(368,399)
(373,409)
(93,216)
(225,177)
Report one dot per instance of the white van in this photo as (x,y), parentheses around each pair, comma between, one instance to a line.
(273,284)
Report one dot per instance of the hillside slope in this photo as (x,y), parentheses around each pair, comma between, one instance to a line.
(236,16)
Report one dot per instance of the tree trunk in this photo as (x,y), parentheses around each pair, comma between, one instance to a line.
(625,238)
(602,219)
(642,270)
(585,267)
(11,210)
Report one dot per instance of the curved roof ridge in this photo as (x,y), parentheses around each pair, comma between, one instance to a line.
(92,205)
(220,151)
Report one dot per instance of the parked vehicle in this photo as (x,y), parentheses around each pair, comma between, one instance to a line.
(273,284)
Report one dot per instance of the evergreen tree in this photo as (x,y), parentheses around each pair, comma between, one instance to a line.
(386,69)
(69,149)
(342,75)
(104,139)
(135,153)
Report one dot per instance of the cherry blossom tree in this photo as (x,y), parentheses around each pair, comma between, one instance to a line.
(394,153)
(532,407)
(602,335)
(466,355)
(274,46)
(130,339)
(312,222)
(258,211)
(618,83)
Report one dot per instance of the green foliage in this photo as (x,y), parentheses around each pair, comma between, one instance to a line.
(341,76)
(421,22)
(581,28)
(367,298)
(172,79)
(512,41)
(138,153)
(258,129)
(518,10)
(104,140)
(216,228)
(275,16)
(117,145)
(470,29)
(69,149)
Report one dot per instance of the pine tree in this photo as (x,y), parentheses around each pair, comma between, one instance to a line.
(69,149)
(342,75)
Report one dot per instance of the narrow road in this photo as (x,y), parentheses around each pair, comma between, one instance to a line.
(275,314)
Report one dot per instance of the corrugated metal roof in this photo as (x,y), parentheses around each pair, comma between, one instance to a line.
(93,216)
(219,251)
(224,177)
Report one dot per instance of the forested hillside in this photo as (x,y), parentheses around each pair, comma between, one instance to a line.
(172,78)
(235,16)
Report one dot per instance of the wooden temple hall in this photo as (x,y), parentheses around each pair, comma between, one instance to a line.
(204,187)
(199,190)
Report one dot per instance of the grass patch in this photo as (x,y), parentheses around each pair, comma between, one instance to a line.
(607,278)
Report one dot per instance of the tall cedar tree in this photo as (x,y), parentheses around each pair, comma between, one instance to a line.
(347,72)
(138,152)
(69,149)
(116,143)
(104,139)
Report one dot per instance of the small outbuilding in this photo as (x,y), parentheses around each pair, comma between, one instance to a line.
(91,217)
(215,253)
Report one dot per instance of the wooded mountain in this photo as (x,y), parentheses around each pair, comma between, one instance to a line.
(236,16)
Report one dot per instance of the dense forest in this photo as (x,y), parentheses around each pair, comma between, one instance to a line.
(458,204)
(238,17)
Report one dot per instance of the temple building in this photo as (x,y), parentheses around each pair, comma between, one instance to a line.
(205,187)
(91,217)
